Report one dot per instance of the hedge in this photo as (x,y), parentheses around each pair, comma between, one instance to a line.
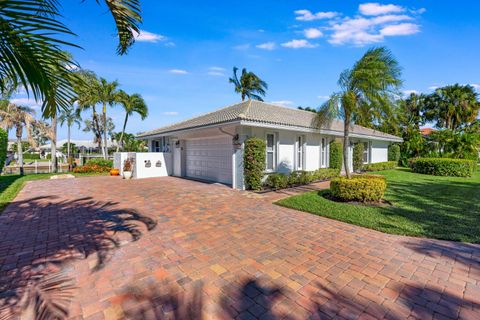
(254,163)
(364,188)
(100,162)
(31,156)
(394,153)
(444,166)
(380,166)
(336,155)
(3,147)
(277,181)
(357,157)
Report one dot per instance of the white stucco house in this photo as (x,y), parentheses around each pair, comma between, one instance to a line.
(210,147)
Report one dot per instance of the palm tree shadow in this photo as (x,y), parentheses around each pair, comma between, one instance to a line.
(40,236)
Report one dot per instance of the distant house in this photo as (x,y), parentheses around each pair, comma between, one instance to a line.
(426,131)
(210,146)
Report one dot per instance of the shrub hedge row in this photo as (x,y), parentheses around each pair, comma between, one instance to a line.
(100,162)
(357,157)
(394,152)
(31,156)
(336,155)
(95,166)
(254,163)
(379,166)
(444,166)
(3,147)
(364,188)
(277,181)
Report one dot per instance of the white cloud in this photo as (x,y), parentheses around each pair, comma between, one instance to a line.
(27,102)
(242,46)
(216,71)
(323,97)
(376,9)
(419,11)
(402,29)
(178,71)
(307,15)
(170,113)
(145,36)
(312,33)
(283,102)
(476,86)
(409,92)
(267,46)
(434,87)
(298,43)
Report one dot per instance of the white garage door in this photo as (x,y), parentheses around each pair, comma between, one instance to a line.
(210,159)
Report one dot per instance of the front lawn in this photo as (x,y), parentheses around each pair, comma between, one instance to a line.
(422,205)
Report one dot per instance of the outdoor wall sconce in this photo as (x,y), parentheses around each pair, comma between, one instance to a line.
(177,144)
(158,164)
(148,164)
(235,141)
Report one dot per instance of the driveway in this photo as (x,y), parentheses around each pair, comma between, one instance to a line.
(168,248)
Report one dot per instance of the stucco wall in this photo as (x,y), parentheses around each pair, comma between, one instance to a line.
(379,151)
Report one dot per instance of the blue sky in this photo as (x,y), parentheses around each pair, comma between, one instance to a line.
(183,58)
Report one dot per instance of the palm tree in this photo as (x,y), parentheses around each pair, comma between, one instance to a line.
(106,94)
(18,117)
(31,40)
(369,87)
(249,85)
(69,117)
(132,104)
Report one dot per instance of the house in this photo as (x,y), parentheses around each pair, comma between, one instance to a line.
(210,146)
(425,132)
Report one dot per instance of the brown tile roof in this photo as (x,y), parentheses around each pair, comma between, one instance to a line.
(264,113)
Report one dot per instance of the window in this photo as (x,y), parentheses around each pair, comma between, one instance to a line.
(161,145)
(323,153)
(366,152)
(271,152)
(299,153)
(155,146)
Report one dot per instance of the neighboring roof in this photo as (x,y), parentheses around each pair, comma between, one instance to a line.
(254,111)
(78,144)
(426,131)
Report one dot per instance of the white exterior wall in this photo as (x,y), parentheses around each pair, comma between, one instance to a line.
(379,151)
(161,163)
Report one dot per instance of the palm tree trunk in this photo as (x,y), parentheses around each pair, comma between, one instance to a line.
(96,131)
(68,142)
(104,111)
(19,149)
(53,146)
(346,144)
(123,132)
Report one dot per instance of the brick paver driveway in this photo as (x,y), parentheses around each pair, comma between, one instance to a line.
(193,250)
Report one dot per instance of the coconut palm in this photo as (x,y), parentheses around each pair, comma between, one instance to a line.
(106,94)
(249,85)
(69,117)
(370,86)
(131,104)
(18,117)
(31,36)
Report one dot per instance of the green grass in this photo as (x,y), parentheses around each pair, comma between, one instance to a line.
(10,185)
(422,206)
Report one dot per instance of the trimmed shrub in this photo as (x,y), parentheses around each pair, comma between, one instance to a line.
(336,155)
(3,147)
(364,188)
(276,181)
(358,157)
(380,166)
(100,162)
(325,174)
(97,165)
(254,163)
(31,156)
(49,156)
(444,166)
(394,153)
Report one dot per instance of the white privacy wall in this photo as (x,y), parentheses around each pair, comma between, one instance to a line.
(379,151)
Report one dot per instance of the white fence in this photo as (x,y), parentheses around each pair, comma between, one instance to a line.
(145,164)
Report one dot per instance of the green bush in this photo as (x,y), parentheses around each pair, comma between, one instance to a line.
(31,156)
(358,157)
(3,147)
(254,163)
(444,166)
(325,174)
(379,166)
(336,155)
(276,181)
(364,188)
(394,153)
(100,162)
(49,156)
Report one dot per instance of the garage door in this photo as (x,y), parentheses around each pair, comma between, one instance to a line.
(210,159)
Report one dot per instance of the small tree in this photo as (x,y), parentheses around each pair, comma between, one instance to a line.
(254,163)
(3,148)
(336,155)
(358,157)
(394,152)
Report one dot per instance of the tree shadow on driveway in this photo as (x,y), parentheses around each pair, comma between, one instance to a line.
(39,236)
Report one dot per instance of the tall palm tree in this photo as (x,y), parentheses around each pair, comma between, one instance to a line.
(18,117)
(30,48)
(106,94)
(249,85)
(368,87)
(131,104)
(69,117)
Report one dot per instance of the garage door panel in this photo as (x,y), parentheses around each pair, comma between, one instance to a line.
(210,159)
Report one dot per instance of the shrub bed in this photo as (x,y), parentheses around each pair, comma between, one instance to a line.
(254,163)
(394,152)
(95,166)
(444,166)
(31,156)
(379,166)
(364,188)
(277,181)
(336,155)
(358,157)
(100,162)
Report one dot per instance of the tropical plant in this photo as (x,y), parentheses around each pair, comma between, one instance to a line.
(89,126)
(70,118)
(367,89)
(3,148)
(131,104)
(106,94)
(130,143)
(31,36)
(307,109)
(18,117)
(72,148)
(357,162)
(249,85)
